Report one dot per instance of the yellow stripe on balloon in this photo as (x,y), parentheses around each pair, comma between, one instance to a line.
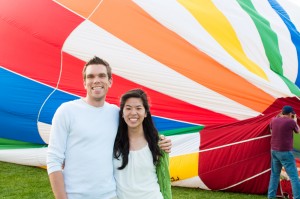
(214,21)
(183,166)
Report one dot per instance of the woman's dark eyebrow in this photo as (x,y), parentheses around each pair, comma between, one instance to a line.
(136,106)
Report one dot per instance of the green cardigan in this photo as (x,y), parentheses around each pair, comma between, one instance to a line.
(163,175)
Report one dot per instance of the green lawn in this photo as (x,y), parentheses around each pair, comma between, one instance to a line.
(24,182)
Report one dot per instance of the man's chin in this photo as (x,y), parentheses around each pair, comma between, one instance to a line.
(98,99)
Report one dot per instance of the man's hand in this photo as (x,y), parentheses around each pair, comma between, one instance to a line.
(295,118)
(165,144)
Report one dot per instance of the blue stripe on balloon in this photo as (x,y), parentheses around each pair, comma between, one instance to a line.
(163,124)
(20,103)
(55,100)
(295,35)
(20,108)
(58,97)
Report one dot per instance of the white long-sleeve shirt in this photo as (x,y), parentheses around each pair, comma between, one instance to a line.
(82,136)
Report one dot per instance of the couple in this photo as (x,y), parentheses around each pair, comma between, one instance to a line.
(107,152)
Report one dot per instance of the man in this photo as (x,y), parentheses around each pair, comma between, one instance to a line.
(82,139)
(282,128)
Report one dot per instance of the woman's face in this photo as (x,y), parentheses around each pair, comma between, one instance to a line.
(134,112)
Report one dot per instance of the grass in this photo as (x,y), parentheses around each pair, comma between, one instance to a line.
(190,193)
(18,181)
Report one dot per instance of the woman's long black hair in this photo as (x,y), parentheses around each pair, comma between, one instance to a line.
(121,146)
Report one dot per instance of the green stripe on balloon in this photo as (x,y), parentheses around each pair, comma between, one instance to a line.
(291,85)
(14,144)
(194,129)
(270,43)
(267,35)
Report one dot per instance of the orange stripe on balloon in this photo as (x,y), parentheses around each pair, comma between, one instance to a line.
(131,24)
(83,8)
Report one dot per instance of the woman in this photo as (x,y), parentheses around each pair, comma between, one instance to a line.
(140,167)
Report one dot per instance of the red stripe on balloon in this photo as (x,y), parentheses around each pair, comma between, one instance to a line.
(233,161)
(161,104)
(32,37)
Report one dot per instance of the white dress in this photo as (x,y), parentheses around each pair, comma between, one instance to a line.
(138,179)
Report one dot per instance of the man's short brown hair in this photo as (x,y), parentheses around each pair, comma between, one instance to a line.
(97,60)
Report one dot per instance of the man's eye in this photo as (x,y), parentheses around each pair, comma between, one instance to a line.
(90,76)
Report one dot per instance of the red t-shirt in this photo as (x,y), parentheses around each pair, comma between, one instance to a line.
(282,133)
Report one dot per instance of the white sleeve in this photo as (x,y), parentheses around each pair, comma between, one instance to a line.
(58,140)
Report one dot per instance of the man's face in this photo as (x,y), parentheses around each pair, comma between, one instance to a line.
(96,83)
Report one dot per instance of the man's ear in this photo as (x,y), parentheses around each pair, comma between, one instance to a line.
(84,84)
(110,82)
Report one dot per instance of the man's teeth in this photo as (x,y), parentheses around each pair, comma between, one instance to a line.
(97,88)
